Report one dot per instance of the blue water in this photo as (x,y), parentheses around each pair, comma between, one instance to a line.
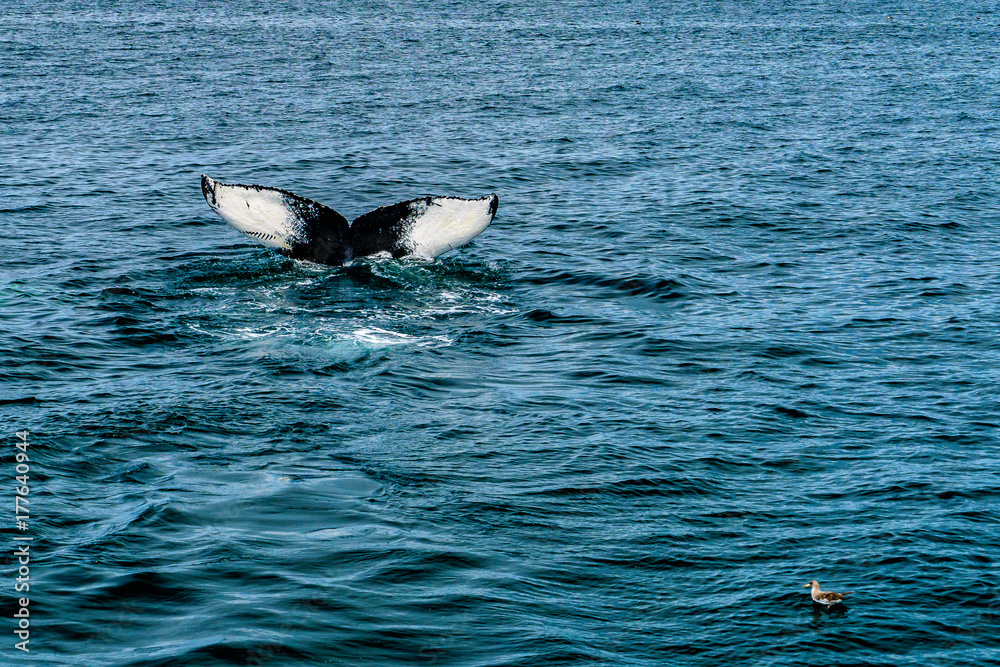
(734,328)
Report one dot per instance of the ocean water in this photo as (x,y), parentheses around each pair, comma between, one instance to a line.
(734,327)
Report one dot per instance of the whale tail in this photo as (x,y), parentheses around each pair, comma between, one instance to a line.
(305,229)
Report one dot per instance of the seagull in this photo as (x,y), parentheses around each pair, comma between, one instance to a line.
(826,598)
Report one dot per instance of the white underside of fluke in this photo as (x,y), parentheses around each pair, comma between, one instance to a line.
(261,214)
(447,223)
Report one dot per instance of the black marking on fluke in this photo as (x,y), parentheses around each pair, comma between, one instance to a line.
(317,233)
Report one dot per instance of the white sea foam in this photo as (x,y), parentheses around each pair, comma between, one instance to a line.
(378,338)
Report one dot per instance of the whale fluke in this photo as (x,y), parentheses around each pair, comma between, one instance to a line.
(305,229)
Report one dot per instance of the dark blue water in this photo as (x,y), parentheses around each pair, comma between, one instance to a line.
(735,327)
